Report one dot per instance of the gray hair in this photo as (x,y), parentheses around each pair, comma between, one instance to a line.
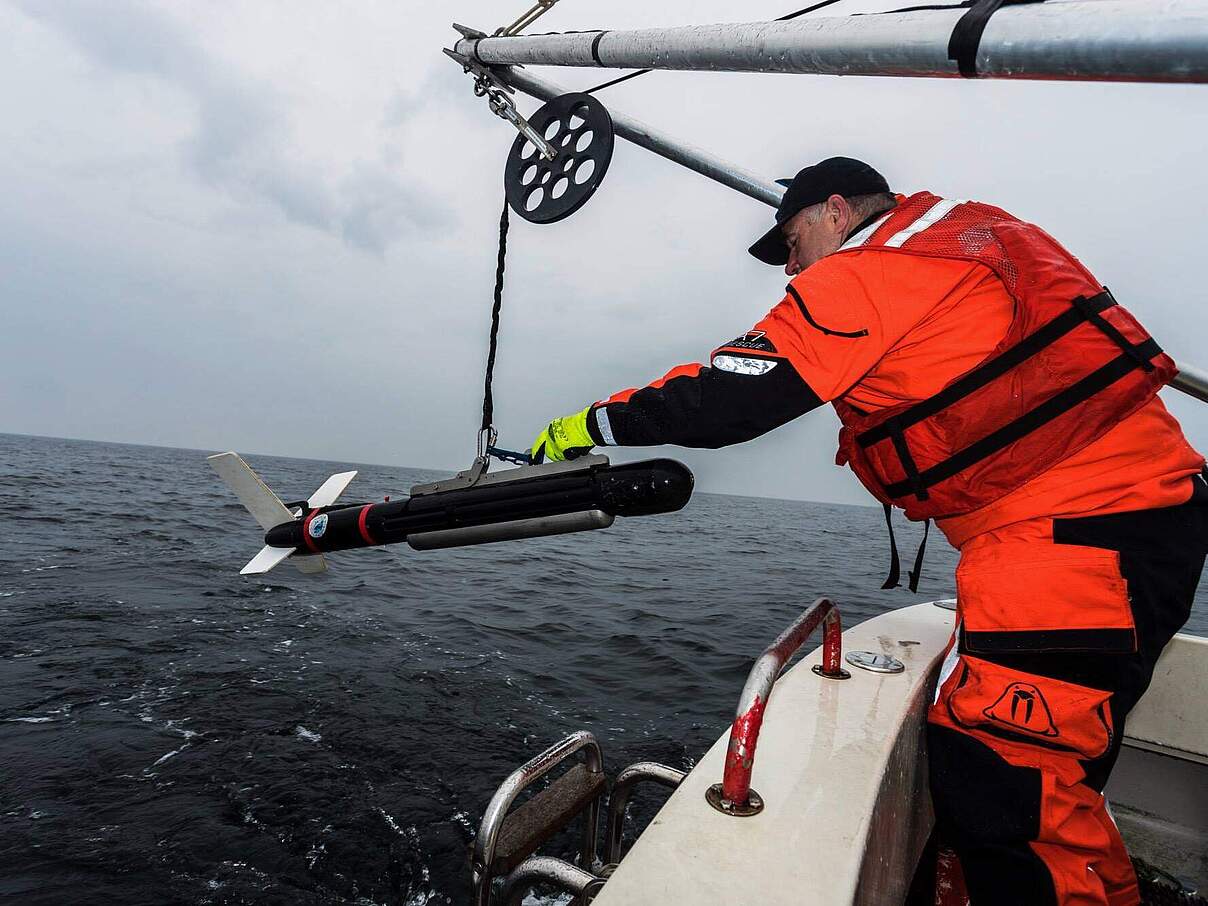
(862,206)
(865,206)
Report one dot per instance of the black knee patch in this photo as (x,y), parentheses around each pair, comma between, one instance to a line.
(987,811)
(979,797)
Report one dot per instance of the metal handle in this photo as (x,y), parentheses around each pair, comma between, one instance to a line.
(642,772)
(549,870)
(734,796)
(517,781)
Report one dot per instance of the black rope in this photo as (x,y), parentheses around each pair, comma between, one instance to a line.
(488,402)
(808,9)
(618,81)
(640,72)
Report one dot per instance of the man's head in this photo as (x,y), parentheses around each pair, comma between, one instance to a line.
(822,206)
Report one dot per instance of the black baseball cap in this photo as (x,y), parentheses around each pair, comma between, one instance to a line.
(843,176)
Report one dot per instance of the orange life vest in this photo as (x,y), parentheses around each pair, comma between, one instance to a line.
(1072,365)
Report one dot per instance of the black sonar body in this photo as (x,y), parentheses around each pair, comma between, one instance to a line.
(633,489)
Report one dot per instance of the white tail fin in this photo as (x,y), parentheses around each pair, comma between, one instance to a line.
(269,511)
(265,506)
(330,490)
(266,560)
(312,564)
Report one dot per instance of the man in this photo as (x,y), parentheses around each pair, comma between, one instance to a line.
(986,379)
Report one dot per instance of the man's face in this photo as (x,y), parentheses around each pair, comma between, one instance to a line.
(815,232)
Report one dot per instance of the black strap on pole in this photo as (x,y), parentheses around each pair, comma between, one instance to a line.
(488,401)
(967,34)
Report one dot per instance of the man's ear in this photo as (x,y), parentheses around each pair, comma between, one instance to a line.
(835,206)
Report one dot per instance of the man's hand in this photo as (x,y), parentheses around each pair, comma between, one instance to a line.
(564,438)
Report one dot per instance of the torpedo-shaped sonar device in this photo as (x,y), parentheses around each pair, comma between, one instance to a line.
(475,507)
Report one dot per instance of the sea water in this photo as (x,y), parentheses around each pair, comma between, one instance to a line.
(172,732)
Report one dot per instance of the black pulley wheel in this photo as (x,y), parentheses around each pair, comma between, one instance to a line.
(580,131)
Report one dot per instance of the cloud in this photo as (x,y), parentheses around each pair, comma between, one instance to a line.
(147,306)
(243,143)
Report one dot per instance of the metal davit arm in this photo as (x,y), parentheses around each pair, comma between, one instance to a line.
(1189,380)
(1103,40)
(734,796)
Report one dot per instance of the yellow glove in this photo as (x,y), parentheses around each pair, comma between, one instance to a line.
(564,438)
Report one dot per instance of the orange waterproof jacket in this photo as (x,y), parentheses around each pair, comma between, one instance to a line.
(877,330)
(1072,365)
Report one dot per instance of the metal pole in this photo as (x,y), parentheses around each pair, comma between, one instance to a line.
(1094,40)
(1190,380)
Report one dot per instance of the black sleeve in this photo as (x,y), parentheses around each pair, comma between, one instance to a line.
(744,393)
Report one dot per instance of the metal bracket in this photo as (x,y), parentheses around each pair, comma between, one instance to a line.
(874,661)
(538,9)
(498,94)
(476,475)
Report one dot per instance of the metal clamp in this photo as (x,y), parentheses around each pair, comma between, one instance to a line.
(734,796)
(618,800)
(498,94)
(524,776)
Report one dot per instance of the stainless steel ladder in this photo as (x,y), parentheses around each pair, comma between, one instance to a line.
(508,840)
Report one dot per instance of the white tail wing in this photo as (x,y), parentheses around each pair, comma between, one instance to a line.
(330,490)
(311,565)
(266,560)
(265,506)
(269,511)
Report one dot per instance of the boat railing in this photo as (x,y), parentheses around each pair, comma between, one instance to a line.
(506,840)
(549,870)
(618,800)
(734,796)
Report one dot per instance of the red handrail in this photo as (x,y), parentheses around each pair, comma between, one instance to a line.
(733,795)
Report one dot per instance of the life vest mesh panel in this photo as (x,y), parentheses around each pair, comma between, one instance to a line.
(1072,365)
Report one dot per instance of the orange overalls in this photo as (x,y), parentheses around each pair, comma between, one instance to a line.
(1073,576)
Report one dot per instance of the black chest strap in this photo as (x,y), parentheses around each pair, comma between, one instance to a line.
(1082,310)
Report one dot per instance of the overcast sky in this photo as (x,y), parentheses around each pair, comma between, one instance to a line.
(271,226)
